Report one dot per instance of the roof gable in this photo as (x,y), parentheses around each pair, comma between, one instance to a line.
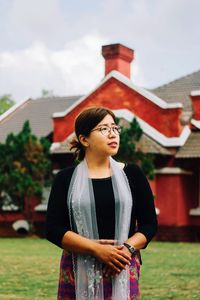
(149,132)
(114,74)
(118,92)
(191,148)
(180,90)
(39,113)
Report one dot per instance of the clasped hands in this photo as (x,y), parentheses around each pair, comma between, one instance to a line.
(115,257)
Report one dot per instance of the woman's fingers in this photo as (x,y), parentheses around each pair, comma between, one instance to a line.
(121,252)
(120,262)
(114,267)
(120,265)
(124,257)
(109,254)
(110,271)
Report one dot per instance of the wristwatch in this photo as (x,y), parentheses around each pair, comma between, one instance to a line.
(130,248)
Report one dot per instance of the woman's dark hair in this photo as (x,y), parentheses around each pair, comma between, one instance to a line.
(84,124)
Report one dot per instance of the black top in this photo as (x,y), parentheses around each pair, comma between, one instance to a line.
(105,206)
(143,217)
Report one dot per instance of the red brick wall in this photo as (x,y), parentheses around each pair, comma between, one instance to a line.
(174,199)
(196,107)
(116,95)
(8,218)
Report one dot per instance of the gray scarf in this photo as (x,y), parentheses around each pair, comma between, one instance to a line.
(81,203)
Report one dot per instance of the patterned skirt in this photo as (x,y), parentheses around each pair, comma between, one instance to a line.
(66,287)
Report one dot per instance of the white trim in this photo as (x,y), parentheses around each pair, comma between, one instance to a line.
(115,74)
(147,94)
(195,211)
(153,133)
(148,130)
(41,207)
(55,171)
(12,109)
(173,170)
(64,113)
(195,93)
(11,207)
(21,224)
(196,123)
(59,148)
(54,147)
(157,211)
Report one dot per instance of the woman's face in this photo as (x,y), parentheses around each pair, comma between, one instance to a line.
(103,139)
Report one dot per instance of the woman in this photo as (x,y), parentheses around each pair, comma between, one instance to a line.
(101,213)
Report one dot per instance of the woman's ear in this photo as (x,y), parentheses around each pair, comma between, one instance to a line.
(83,140)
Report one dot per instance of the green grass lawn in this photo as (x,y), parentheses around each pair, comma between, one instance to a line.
(29,269)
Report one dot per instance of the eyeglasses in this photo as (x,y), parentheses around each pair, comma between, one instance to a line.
(106,130)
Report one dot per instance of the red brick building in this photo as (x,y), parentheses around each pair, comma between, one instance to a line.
(170,119)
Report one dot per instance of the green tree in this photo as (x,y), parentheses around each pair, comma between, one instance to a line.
(5,103)
(25,167)
(47,93)
(129,150)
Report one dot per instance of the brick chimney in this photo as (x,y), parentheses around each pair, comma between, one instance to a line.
(118,57)
(195,96)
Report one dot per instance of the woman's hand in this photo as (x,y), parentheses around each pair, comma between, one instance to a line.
(107,271)
(113,256)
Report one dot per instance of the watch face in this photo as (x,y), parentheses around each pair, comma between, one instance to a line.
(132,250)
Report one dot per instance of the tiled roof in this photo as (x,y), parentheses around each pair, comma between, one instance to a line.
(191,149)
(179,90)
(39,113)
(148,145)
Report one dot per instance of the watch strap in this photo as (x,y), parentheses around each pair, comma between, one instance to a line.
(130,248)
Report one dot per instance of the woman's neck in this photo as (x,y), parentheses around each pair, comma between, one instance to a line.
(98,167)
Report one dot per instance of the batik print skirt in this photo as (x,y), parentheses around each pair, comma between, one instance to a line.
(66,287)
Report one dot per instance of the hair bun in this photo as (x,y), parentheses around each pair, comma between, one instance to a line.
(78,148)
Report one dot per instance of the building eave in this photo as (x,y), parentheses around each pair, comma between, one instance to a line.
(147,129)
(147,94)
(195,123)
(195,93)
(153,133)
(12,110)
(114,74)
(173,170)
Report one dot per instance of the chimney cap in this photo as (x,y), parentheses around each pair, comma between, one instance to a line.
(117,50)
(117,45)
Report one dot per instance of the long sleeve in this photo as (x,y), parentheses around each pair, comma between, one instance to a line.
(144,207)
(57,219)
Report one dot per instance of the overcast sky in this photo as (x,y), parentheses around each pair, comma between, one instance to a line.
(56,44)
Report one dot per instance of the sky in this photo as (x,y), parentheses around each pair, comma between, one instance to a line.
(55,45)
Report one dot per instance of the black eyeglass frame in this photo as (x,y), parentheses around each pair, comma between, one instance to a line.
(115,129)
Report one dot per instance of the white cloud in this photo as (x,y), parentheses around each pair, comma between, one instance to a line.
(56,44)
(30,21)
(68,71)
